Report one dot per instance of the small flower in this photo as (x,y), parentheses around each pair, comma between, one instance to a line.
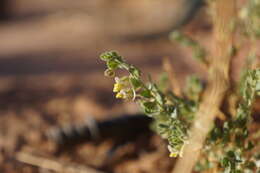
(125,94)
(121,84)
(173,152)
(120,95)
(117,87)
(123,88)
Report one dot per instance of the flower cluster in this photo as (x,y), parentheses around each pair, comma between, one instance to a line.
(123,88)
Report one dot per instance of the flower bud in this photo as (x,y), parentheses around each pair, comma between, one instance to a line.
(109,73)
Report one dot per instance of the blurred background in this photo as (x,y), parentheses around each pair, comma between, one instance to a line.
(51,75)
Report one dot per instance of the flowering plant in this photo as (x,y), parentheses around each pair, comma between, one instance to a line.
(171,113)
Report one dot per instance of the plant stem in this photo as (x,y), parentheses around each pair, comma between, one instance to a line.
(218,84)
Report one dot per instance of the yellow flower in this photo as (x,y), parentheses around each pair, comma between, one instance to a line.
(117,87)
(123,88)
(119,95)
(173,154)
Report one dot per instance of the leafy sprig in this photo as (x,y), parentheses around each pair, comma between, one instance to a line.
(228,146)
(251,15)
(166,109)
(184,40)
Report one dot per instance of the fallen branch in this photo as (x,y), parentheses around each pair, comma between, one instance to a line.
(52,164)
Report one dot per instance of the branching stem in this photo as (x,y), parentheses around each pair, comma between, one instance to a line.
(218,84)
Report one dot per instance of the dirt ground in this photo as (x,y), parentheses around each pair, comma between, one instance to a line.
(50,76)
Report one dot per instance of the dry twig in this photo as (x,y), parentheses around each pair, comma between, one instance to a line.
(175,86)
(53,165)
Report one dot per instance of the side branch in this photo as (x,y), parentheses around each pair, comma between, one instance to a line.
(224,19)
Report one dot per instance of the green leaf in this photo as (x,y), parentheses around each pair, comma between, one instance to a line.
(174,113)
(194,87)
(146,93)
(134,71)
(225,162)
(157,94)
(111,55)
(163,126)
(111,64)
(250,146)
(215,134)
(107,56)
(135,82)
(150,107)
